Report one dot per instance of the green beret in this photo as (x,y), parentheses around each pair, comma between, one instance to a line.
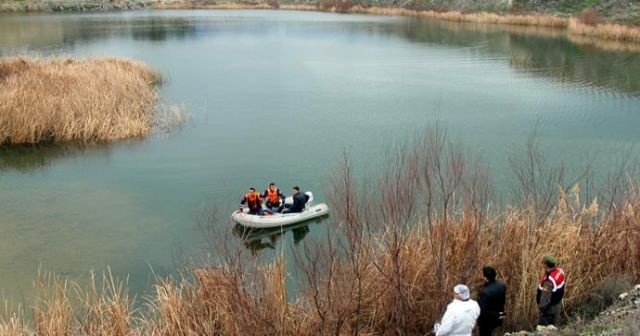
(549,260)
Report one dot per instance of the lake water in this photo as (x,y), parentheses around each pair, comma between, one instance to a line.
(278,96)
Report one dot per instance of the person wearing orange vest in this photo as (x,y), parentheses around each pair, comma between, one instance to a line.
(253,200)
(273,195)
(550,291)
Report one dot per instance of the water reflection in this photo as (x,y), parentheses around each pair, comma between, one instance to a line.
(256,240)
(537,50)
(540,51)
(26,158)
(39,31)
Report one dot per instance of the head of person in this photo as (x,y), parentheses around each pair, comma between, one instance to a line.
(489,273)
(295,190)
(252,190)
(461,292)
(272,186)
(549,262)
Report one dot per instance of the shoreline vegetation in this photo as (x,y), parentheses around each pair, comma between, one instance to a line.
(586,20)
(389,259)
(588,24)
(63,99)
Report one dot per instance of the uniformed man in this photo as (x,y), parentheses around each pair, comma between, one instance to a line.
(550,291)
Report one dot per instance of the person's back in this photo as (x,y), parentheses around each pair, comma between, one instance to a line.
(461,314)
(459,319)
(299,201)
(491,301)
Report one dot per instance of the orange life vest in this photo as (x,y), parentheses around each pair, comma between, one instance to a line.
(273,196)
(253,199)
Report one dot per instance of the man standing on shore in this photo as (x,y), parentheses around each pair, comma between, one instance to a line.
(461,314)
(550,291)
(491,301)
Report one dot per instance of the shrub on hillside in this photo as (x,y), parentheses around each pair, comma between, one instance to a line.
(590,17)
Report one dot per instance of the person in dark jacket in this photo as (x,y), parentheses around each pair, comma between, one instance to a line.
(491,301)
(550,291)
(299,201)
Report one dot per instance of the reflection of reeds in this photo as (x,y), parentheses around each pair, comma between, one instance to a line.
(66,99)
(604,44)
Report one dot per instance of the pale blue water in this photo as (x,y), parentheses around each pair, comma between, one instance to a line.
(278,96)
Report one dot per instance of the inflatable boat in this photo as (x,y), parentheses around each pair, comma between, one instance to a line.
(277,219)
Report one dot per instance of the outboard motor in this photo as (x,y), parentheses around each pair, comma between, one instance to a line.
(309,196)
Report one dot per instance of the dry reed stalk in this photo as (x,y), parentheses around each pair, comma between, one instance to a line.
(605,31)
(381,271)
(106,310)
(52,311)
(69,100)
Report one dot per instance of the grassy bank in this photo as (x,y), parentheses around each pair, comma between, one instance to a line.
(94,100)
(390,258)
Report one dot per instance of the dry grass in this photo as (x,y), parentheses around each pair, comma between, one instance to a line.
(605,31)
(388,262)
(479,17)
(64,99)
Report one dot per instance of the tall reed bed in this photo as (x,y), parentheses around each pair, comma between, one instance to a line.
(63,99)
(397,244)
(604,31)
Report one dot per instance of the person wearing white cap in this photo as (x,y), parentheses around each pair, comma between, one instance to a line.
(461,314)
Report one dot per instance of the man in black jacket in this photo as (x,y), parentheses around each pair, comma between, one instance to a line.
(491,301)
(299,201)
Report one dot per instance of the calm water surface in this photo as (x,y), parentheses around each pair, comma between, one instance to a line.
(277,96)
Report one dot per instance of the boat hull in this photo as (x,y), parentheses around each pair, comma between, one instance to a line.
(277,220)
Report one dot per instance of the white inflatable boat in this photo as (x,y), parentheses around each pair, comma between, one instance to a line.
(277,219)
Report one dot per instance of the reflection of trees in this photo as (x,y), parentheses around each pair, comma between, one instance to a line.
(25,158)
(42,31)
(542,51)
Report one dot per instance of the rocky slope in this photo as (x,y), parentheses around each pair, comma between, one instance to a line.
(620,319)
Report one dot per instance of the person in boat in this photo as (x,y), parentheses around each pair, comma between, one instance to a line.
(299,201)
(253,200)
(273,195)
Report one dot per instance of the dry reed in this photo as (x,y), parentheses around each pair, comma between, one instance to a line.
(605,31)
(75,100)
(390,258)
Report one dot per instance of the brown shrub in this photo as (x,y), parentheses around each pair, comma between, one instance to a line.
(389,260)
(338,6)
(590,17)
(273,4)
